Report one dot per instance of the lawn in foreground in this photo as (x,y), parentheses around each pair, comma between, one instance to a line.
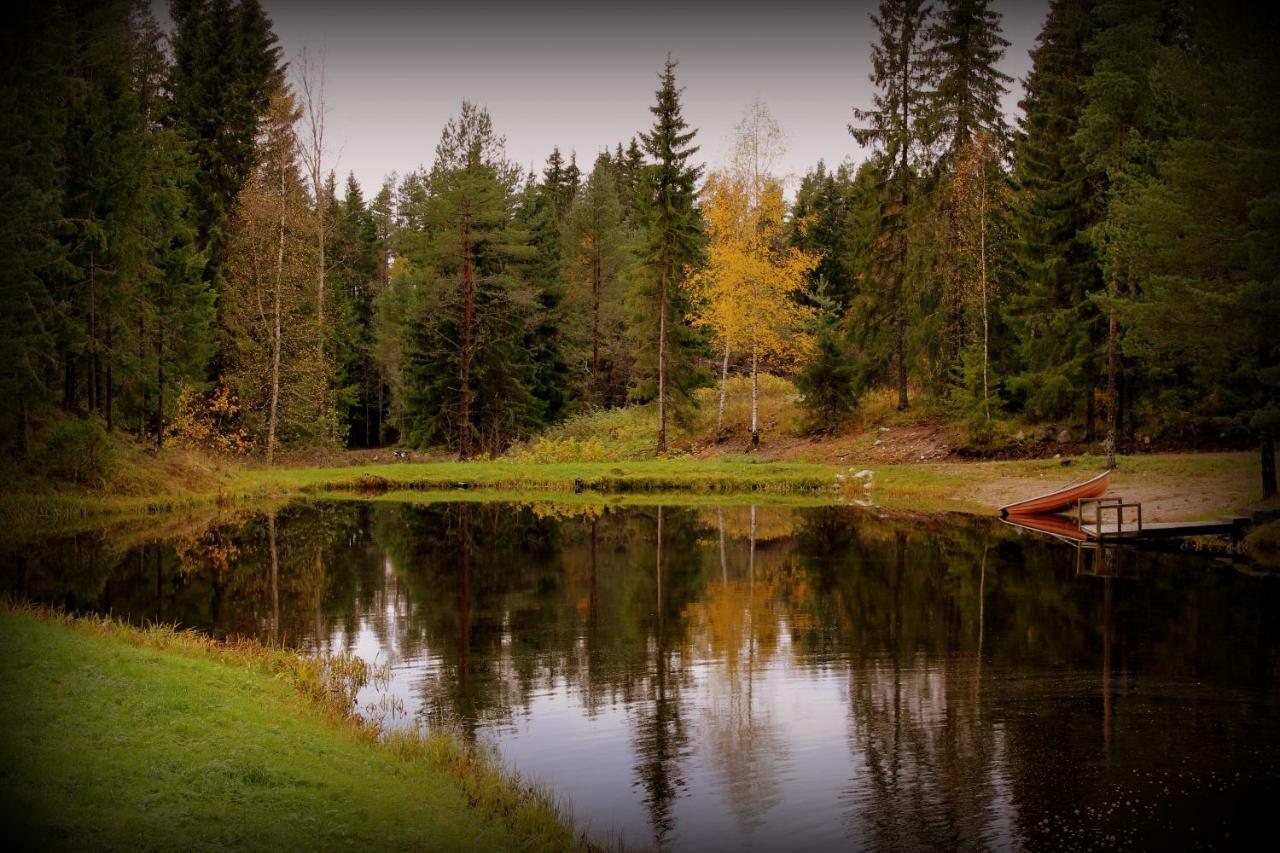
(108,745)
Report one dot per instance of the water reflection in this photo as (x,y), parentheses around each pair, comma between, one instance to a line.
(759,677)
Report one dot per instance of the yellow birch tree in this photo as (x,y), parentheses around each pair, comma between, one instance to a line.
(746,291)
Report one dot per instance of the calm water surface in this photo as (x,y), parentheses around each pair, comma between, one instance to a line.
(761,678)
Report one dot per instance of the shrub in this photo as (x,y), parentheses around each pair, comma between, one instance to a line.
(208,422)
(79,451)
(568,449)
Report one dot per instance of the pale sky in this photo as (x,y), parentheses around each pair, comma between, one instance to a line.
(582,75)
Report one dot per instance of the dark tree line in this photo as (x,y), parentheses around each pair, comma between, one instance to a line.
(172,263)
(1109,263)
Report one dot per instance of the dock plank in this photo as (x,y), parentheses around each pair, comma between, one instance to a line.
(1160,529)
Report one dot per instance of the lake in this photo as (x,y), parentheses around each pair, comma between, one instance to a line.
(736,677)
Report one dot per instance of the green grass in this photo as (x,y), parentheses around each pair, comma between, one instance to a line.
(118,738)
(605,477)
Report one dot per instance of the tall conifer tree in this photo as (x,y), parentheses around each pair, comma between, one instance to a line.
(673,238)
(967,45)
(1056,203)
(466,372)
(897,126)
(594,264)
(226,67)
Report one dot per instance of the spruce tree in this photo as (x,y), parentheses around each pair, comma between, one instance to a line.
(666,345)
(1056,203)
(1121,124)
(897,126)
(226,67)
(1201,235)
(966,118)
(541,213)
(820,222)
(595,261)
(967,45)
(34,93)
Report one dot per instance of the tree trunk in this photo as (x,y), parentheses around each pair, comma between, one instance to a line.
(93,338)
(900,348)
(109,378)
(274,410)
(662,362)
(1268,463)
(905,199)
(1112,400)
(986,322)
(26,430)
(595,330)
(755,398)
(146,394)
(160,381)
(464,369)
(724,389)
(324,374)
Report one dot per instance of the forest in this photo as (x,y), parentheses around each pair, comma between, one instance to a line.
(180,263)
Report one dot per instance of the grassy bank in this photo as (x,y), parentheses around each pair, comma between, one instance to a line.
(1171,486)
(120,738)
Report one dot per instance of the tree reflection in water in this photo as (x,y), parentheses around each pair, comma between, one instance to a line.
(746,675)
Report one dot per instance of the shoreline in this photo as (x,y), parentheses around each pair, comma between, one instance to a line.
(1175,486)
(296,733)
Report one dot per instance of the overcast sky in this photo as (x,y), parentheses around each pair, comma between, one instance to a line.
(582,75)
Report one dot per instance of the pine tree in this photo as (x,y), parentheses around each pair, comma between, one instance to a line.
(541,216)
(665,344)
(1201,234)
(898,126)
(1121,124)
(34,93)
(1056,203)
(967,46)
(595,261)
(226,68)
(465,373)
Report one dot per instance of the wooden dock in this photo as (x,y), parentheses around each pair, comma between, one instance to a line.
(1163,529)
(1099,521)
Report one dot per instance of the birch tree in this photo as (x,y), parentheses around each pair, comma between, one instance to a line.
(311,82)
(747,290)
(980,197)
(269,306)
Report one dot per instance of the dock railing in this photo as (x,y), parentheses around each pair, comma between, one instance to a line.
(1103,505)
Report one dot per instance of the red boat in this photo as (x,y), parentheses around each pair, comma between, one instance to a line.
(1061,526)
(1060,499)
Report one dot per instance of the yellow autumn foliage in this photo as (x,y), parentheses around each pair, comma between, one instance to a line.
(746,291)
